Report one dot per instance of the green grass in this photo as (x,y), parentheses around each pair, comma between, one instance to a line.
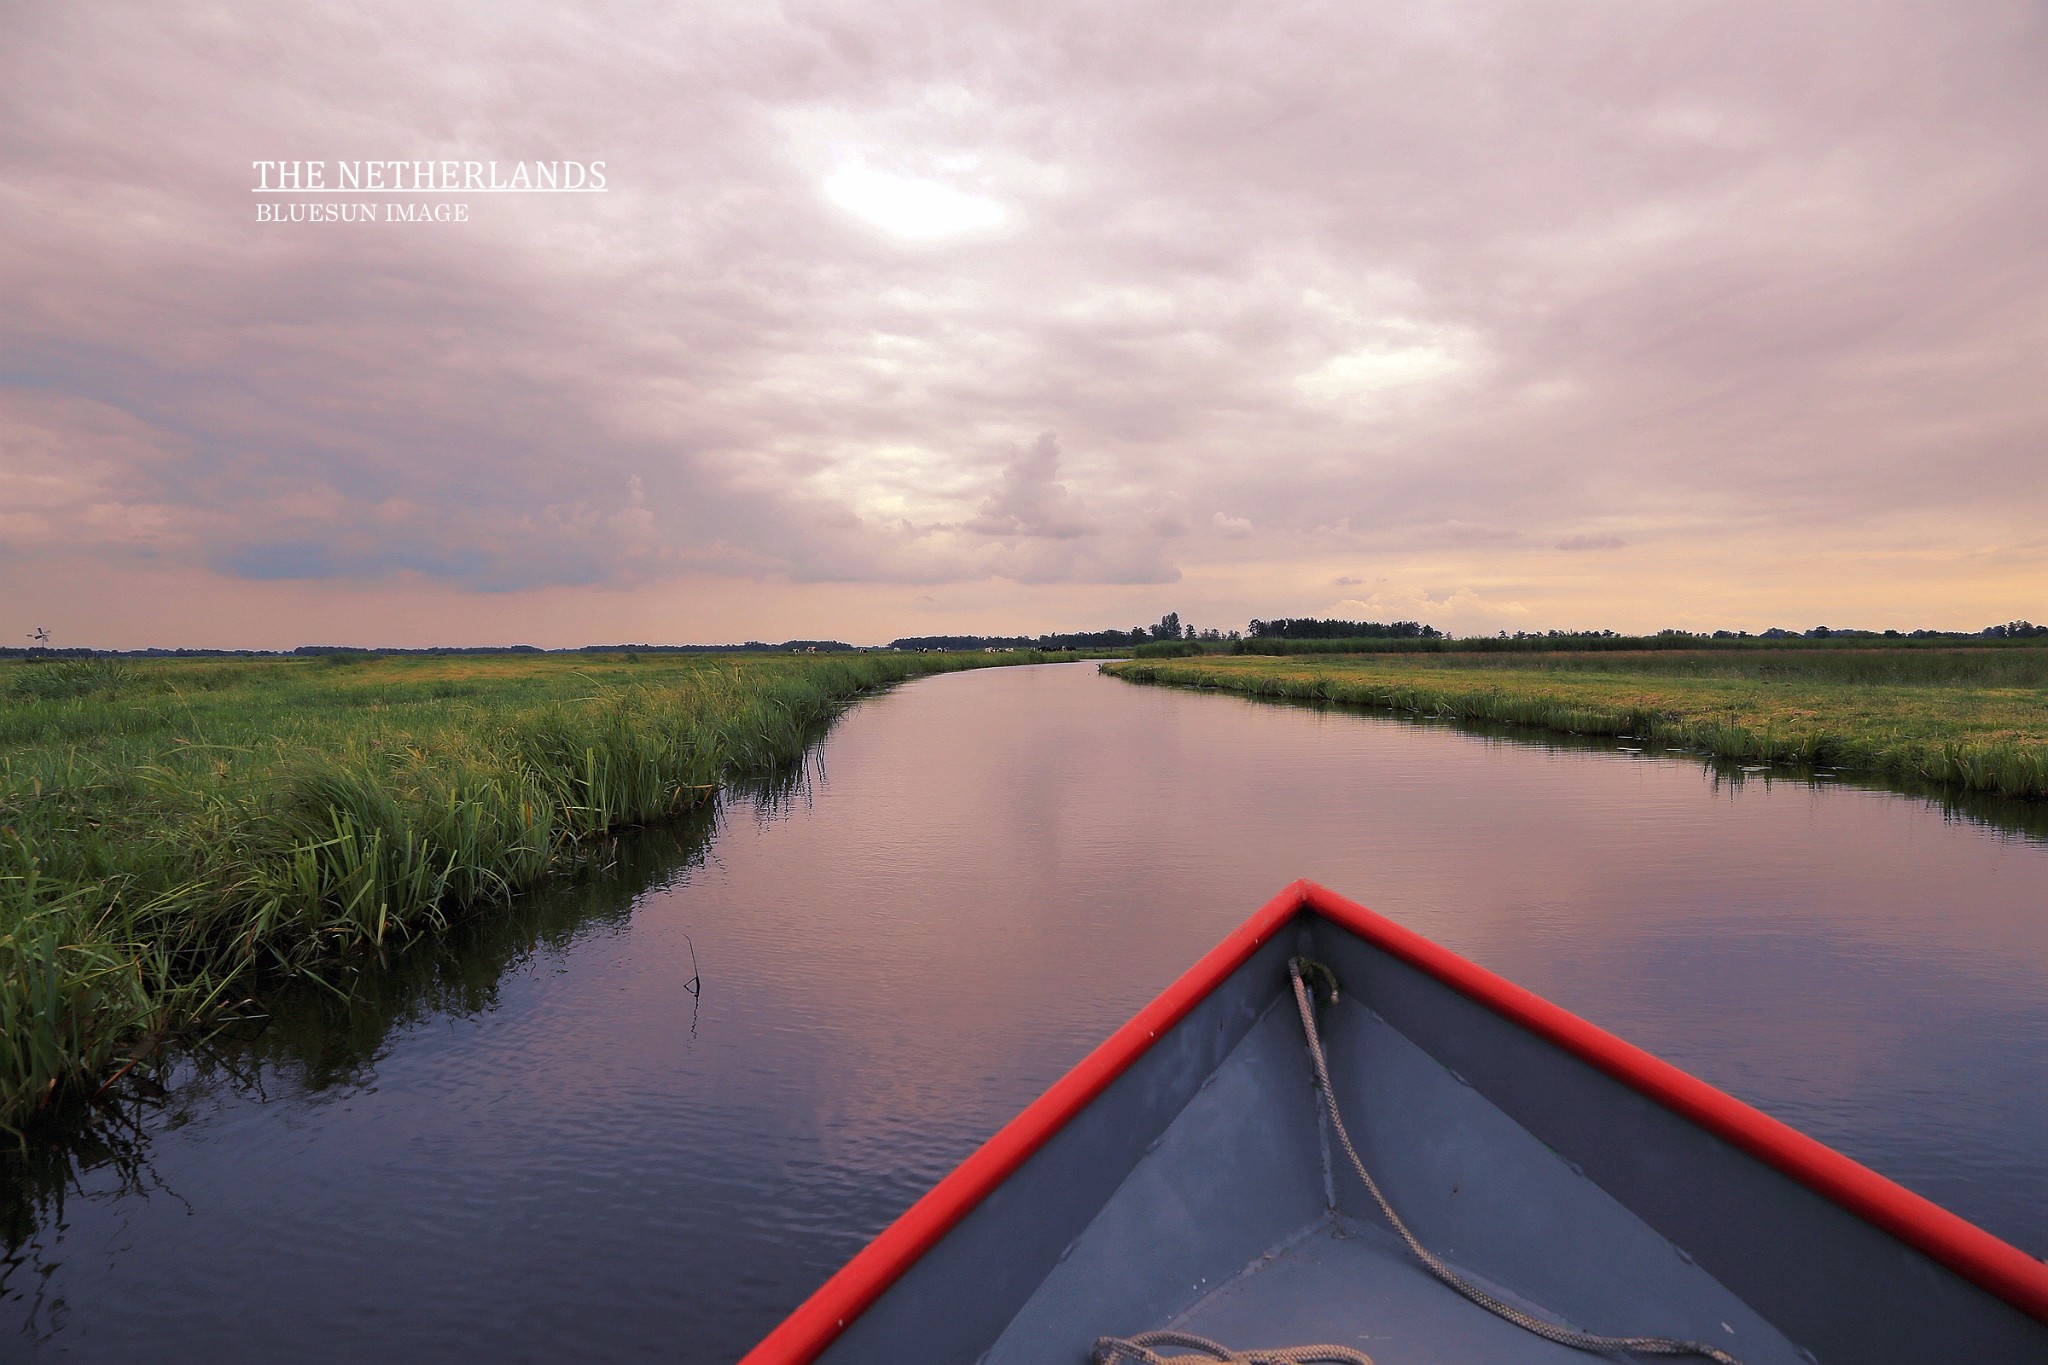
(173,834)
(1974,719)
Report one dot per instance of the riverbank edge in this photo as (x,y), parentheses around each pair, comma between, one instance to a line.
(2006,769)
(87,991)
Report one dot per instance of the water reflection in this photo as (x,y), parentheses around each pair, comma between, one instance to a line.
(542,1143)
(305,1040)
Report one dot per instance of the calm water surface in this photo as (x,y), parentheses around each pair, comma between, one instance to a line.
(541,1145)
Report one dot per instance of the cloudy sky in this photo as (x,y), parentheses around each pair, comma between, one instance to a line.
(899,319)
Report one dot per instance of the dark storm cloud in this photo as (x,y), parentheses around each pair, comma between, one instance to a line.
(1286,281)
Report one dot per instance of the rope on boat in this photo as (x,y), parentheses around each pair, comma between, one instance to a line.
(1549,1331)
(1137,1350)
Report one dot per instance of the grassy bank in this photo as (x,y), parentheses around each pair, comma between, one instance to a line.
(172,833)
(1970,718)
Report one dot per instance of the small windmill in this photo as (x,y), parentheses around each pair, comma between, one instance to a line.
(40,636)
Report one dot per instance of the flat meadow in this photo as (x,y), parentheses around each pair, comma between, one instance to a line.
(174,833)
(1974,718)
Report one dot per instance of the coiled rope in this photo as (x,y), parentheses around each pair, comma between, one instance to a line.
(1137,1350)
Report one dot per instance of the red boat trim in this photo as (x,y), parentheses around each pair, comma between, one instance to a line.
(1963,1247)
(805,1333)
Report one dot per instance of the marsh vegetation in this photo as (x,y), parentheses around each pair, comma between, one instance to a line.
(173,835)
(1969,718)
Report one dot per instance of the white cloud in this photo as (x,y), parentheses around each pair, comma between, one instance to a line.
(1461,610)
(1236,527)
(918,210)
(1390,370)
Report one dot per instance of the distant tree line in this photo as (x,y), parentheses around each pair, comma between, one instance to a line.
(1168,627)
(1270,637)
(427,651)
(750,647)
(1077,639)
(2011,630)
(1310,628)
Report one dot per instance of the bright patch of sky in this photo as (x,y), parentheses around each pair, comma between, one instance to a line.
(1403,367)
(911,208)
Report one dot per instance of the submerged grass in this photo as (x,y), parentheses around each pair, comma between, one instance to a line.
(1970,719)
(171,833)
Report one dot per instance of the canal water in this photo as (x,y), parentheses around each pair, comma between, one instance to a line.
(642,1115)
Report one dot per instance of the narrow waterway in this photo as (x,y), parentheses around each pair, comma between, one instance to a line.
(542,1145)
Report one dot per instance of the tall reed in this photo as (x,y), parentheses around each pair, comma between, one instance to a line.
(170,834)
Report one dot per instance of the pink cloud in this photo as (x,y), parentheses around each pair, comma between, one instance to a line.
(1438,286)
